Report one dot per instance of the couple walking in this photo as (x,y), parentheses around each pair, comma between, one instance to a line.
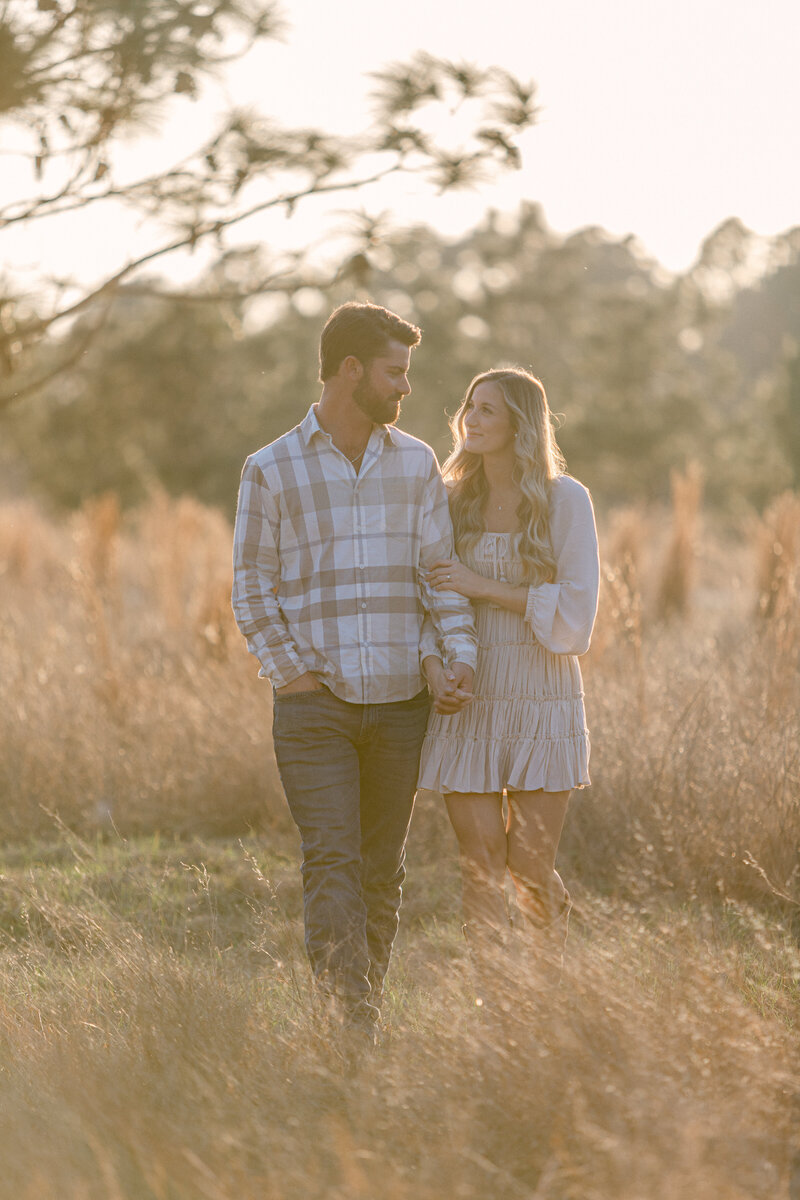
(383,646)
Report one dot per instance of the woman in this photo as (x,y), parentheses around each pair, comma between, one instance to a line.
(526,538)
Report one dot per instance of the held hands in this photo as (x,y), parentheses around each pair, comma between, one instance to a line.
(450,575)
(451,687)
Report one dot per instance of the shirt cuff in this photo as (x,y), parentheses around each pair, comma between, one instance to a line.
(540,609)
(461,649)
(283,671)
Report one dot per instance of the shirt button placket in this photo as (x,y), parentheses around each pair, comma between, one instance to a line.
(360,559)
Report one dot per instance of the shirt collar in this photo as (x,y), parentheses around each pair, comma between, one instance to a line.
(310,428)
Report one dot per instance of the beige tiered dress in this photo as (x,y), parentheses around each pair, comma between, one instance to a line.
(526,727)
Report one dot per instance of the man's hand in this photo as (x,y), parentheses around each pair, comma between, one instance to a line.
(303,683)
(449,686)
(464,677)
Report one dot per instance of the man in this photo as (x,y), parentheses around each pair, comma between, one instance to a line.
(336,521)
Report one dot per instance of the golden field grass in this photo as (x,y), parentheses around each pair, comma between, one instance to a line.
(158,1035)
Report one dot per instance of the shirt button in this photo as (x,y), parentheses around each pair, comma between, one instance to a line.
(363,606)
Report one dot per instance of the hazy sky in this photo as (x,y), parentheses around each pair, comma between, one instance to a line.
(659,117)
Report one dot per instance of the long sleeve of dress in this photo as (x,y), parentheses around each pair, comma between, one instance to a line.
(562,614)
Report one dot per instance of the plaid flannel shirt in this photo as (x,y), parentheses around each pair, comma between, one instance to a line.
(327,563)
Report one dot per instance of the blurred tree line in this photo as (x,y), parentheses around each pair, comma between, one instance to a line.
(124,383)
(650,370)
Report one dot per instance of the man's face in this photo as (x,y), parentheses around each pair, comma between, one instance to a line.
(384,384)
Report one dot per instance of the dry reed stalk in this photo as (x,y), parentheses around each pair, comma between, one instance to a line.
(28,548)
(778,584)
(186,549)
(628,536)
(619,619)
(97,531)
(94,573)
(211,614)
(215,624)
(778,551)
(625,595)
(16,540)
(676,576)
(161,529)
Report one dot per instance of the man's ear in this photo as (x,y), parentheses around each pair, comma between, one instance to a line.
(352,368)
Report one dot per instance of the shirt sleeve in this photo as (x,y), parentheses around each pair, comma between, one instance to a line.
(450,633)
(562,614)
(256,575)
(428,641)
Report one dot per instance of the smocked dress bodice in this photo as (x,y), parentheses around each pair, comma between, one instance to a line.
(526,728)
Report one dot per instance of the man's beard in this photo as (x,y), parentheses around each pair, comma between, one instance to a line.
(381,410)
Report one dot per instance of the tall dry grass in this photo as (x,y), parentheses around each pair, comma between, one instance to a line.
(778,582)
(695,726)
(159,1039)
(158,1035)
(128,701)
(127,698)
(675,583)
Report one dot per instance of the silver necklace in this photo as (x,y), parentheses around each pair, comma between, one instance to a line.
(353,458)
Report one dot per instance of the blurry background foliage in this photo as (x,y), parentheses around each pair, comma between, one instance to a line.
(99,381)
(129,383)
(650,371)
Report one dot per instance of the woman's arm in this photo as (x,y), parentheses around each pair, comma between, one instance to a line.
(448,574)
(561,614)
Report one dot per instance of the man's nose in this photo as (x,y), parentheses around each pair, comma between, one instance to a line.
(405,386)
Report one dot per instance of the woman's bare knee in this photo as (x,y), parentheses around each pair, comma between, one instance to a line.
(480,830)
(540,895)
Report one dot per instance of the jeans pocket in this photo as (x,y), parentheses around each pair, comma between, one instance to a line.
(303,697)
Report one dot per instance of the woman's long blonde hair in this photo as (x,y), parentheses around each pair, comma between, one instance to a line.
(537,462)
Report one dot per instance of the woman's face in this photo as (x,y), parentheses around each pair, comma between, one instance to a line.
(486,421)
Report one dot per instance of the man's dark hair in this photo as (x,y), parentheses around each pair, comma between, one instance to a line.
(363,330)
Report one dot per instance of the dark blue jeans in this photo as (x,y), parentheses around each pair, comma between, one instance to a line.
(349,772)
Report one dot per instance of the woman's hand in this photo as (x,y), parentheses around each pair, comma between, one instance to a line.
(452,576)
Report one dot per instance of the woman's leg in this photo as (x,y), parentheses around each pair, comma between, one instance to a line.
(535,821)
(483,850)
